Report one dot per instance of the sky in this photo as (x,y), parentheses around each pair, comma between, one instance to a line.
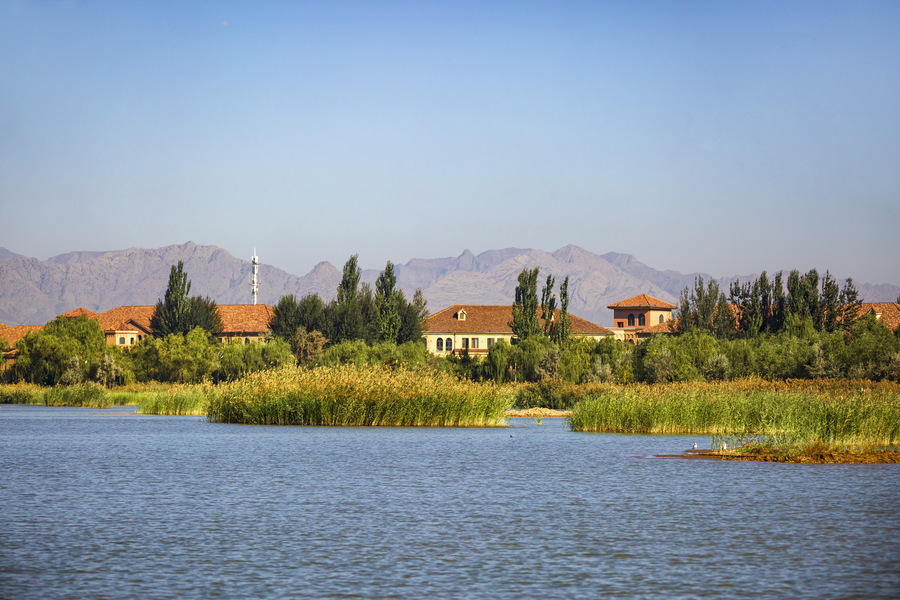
(717,137)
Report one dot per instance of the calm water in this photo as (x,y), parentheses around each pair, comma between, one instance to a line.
(105,504)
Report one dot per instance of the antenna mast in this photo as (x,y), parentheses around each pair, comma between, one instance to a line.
(254,279)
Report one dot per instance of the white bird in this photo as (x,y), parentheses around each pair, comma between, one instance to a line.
(724,446)
(694,447)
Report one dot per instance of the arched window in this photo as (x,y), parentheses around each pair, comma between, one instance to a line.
(641,321)
(631,320)
(448,345)
(661,319)
(440,344)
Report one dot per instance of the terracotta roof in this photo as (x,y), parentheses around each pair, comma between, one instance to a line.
(494,318)
(642,301)
(245,318)
(14,333)
(889,311)
(78,312)
(236,318)
(664,327)
(138,315)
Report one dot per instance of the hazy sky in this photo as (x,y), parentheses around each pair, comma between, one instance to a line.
(721,137)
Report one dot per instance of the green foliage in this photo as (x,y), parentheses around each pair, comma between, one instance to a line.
(178,313)
(67,350)
(360,354)
(525,317)
(176,358)
(387,305)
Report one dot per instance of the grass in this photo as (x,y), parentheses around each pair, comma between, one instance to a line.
(753,415)
(359,396)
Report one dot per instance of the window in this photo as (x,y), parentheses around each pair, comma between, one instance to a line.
(440,344)
(641,321)
(631,320)
(474,342)
(461,315)
(122,341)
(448,345)
(662,319)
(490,343)
(621,324)
(465,343)
(132,340)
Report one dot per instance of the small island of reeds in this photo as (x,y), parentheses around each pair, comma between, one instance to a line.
(359,396)
(797,421)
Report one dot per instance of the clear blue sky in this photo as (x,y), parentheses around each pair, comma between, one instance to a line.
(721,137)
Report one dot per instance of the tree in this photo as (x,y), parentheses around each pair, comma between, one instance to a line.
(179,313)
(286,317)
(525,318)
(66,350)
(548,305)
(563,329)
(345,313)
(850,304)
(412,317)
(387,305)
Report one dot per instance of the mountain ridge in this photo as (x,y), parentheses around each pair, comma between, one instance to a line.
(33,292)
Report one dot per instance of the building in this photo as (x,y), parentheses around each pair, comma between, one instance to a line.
(474,328)
(631,317)
(127,325)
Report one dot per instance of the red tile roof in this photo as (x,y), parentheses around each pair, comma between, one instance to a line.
(14,333)
(236,318)
(78,312)
(642,301)
(493,318)
(889,311)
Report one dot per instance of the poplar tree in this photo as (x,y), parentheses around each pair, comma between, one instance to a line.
(548,305)
(387,305)
(524,309)
(179,313)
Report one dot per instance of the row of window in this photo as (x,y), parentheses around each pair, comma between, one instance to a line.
(446,345)
(641,321)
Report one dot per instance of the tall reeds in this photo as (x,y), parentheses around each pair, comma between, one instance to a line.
(359,396)
(837,412)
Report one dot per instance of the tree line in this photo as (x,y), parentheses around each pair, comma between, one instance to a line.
(184,346)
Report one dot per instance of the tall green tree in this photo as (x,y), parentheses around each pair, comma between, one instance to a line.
(563,328)
(345,313)
(412,317)
(525,322)
(179,313)
(387,305)
(548,305)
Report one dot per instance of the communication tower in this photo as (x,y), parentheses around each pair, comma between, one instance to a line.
(254,278)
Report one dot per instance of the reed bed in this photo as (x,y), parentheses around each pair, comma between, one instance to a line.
(861,414)
(22,393)
(174,400)
(359,396)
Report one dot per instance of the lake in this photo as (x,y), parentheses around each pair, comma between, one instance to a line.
(110,504)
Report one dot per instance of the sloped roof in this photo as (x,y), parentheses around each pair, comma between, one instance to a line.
(889,311)
(78,312)
(494,318)
(138,315)
(249,318)
(14,333)
(642,301)
(236,318)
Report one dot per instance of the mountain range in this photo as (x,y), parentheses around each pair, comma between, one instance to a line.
(33,292)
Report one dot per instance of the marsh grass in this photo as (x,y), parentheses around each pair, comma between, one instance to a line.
(174,400)
(751,413)
(359,396)
(22,393)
